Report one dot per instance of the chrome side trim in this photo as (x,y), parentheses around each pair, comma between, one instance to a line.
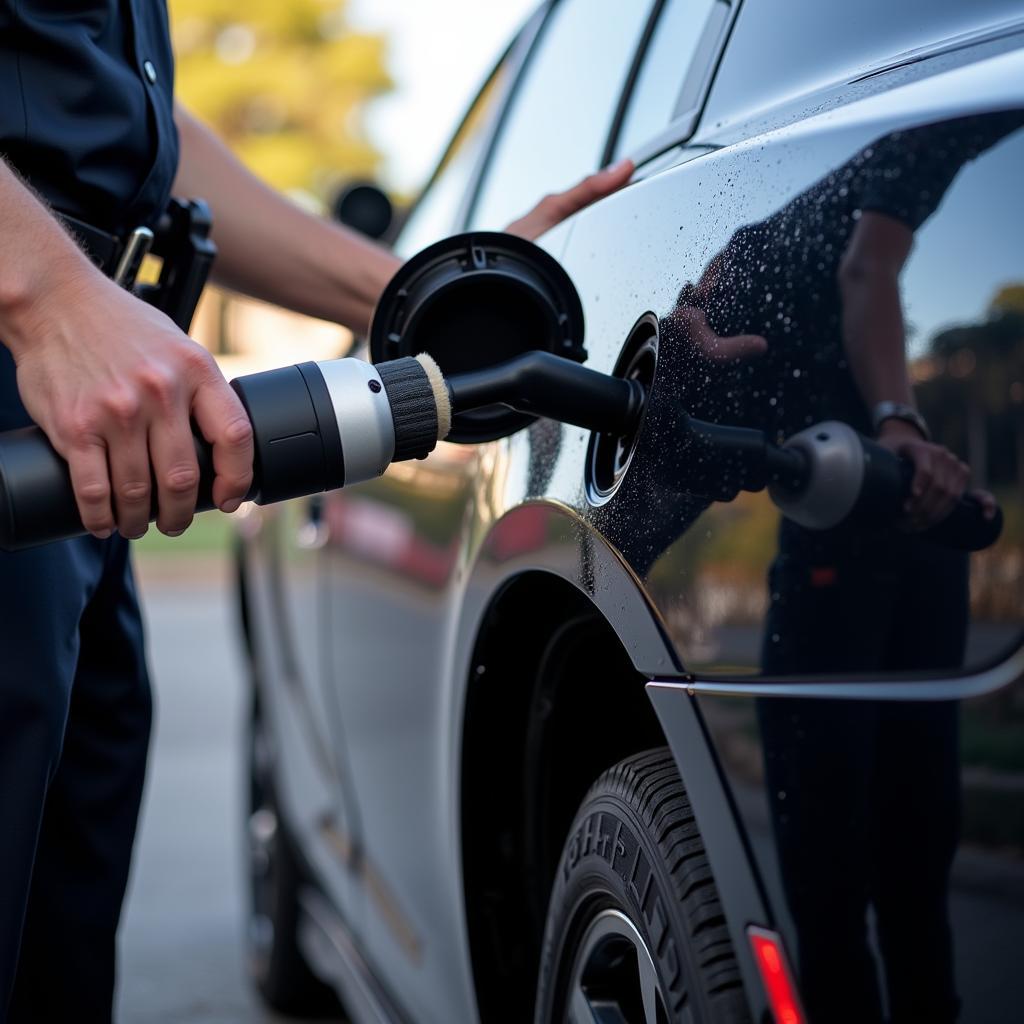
(954,688)
(331,951)
(973,37)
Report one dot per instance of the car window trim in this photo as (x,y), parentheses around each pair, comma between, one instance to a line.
(533,37)
(510,62)
(629,86)
(446,156)
(696,85)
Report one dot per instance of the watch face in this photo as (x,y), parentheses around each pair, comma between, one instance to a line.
(897,411)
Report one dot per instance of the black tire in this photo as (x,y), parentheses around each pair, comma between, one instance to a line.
(635,930)
(276,963)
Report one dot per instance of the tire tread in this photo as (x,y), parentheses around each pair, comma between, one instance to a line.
(649,783)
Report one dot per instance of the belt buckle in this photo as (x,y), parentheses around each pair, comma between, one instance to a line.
(134,252)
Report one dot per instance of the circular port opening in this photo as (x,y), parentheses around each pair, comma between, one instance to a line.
(609,455)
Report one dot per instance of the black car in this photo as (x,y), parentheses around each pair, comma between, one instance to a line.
(580,726)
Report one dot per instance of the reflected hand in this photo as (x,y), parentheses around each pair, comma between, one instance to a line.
(717,348)
(940,478)
(555,208)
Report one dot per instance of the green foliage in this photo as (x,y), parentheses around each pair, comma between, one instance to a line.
(210,533)
(283,82)
(1008,299)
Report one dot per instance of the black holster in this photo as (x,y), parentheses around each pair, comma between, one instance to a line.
(182,241)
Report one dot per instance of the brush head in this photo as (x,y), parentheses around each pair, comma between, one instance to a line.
(442,399)
(411,395)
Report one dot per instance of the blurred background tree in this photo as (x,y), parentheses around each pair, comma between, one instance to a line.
(285,84)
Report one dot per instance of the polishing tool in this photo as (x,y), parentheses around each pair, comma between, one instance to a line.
(321,426)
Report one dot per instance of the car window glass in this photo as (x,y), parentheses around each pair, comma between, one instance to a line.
(560,115)
(817,43)
(663,72)
(433,217)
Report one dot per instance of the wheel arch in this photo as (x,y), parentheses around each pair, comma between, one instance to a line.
(542,585)
(553,699)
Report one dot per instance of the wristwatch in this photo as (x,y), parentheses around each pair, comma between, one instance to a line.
(899,411)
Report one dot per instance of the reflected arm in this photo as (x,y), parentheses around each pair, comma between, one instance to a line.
(875,343)
(873,331)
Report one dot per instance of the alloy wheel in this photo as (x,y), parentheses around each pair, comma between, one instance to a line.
(614,979)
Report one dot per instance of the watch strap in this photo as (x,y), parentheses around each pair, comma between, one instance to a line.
(899,411)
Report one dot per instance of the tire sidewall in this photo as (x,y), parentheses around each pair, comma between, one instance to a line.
(279,970)
(609,862)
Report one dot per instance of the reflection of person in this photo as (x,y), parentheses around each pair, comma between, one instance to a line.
(799,317)
(865,795)
(800,320)
(88,124)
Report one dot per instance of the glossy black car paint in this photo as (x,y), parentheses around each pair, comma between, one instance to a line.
(453,653)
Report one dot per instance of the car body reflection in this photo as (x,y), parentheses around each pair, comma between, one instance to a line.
(864,796)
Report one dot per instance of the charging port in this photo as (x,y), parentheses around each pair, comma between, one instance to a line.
(609,455)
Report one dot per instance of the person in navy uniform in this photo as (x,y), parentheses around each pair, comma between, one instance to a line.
(89,130)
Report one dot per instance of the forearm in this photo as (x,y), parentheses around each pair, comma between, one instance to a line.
(39,260)
(271,249)
(875,342)
(874,338)
(873,333)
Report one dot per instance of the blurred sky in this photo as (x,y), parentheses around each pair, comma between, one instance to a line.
(439,52)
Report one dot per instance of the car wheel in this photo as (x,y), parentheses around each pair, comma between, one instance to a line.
(635,931)
(276,963)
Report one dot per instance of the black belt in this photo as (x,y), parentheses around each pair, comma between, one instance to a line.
(118,258)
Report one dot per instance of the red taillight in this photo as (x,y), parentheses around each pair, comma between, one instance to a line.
(776,976)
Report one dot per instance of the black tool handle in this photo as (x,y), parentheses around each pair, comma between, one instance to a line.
(887,480)
(37,501)
(965,528)
(297,452)
(543,384)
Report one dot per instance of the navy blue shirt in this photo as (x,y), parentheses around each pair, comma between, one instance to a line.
(86,90)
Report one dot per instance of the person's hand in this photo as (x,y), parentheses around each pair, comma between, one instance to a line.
(940,478)
(113,383)
(716,348)
(555,208)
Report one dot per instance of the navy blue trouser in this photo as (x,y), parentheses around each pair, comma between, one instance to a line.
(75,712)
(865,795)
